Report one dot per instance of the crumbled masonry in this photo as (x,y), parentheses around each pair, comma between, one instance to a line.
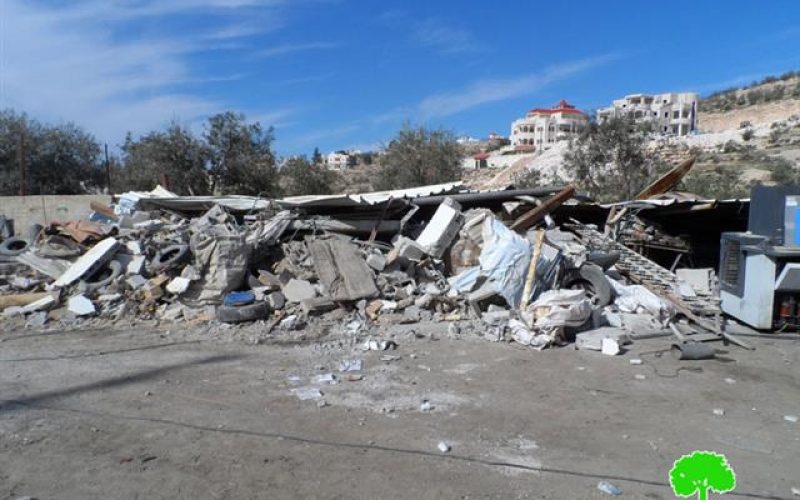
(435,253)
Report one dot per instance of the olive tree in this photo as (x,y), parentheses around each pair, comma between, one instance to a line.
(242,160)
(418,156)
(610,161)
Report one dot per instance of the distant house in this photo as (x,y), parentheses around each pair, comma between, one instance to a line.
(481,160)
(541,127)
(670,113)
(494,136)
(339,160)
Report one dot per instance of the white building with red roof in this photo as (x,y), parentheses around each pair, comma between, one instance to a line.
(540,128)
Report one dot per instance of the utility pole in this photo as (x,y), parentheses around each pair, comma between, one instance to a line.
(23,170)
(108,170)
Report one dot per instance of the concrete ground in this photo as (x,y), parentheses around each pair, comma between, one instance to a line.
(150,414)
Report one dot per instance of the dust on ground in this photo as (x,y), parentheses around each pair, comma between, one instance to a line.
(186,413)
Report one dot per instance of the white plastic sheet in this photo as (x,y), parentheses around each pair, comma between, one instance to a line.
(560,308)
(504,259)
(636,299)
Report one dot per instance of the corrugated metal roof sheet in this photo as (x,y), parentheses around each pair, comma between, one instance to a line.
(346,200)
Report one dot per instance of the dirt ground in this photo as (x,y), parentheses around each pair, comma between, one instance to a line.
(148,413)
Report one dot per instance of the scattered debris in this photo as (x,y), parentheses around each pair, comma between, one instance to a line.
(79,305)
(306,393)
(351,365)
(363,263)
(609,489)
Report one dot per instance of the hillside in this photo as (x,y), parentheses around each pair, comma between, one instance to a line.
(747,135)
(773,99)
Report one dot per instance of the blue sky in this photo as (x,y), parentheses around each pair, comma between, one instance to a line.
(347,73)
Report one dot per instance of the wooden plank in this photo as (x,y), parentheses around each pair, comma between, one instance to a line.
(534,215)
(342,270)
(21,299)
(667,181)
(104,209)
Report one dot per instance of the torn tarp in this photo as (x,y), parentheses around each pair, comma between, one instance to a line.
(221,255)
(504,259)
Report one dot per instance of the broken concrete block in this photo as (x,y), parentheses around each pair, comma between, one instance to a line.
(407,249)
(699,279)
(442,228)
(89,262)
(610,347)
(376,261)
(269,280)
(342,270)
(637,325)
(172,313)
(22,283)
(276,300)
(190,273)
(317,304)
(37,320)
(298,290)
(134,247)
(373,308)
(412,314)
(260,292)
(206,313)
(79,305)
(136,281)
(152,291)
(425,301)
(49,266)
(593,339)
(136,265)
(496,317)
(178,285)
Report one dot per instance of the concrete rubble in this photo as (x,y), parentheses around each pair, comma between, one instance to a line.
(460,259)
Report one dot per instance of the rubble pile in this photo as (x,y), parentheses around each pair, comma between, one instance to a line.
(276,266)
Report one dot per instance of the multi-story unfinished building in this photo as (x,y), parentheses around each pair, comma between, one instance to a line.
(671,114)
(541,127)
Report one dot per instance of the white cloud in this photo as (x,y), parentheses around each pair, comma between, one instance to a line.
(245,29)
(310,139)
(72,65)
(488,91)
(126,10)
(446,39)
(290,48)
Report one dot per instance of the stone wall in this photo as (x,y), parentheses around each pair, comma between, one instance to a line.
(27,210)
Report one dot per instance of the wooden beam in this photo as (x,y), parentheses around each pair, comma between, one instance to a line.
(667,181)
(534,215)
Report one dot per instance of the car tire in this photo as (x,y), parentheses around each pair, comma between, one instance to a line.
(238,314)
(168,257)
(114,269)
(590,278)
(11,247)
